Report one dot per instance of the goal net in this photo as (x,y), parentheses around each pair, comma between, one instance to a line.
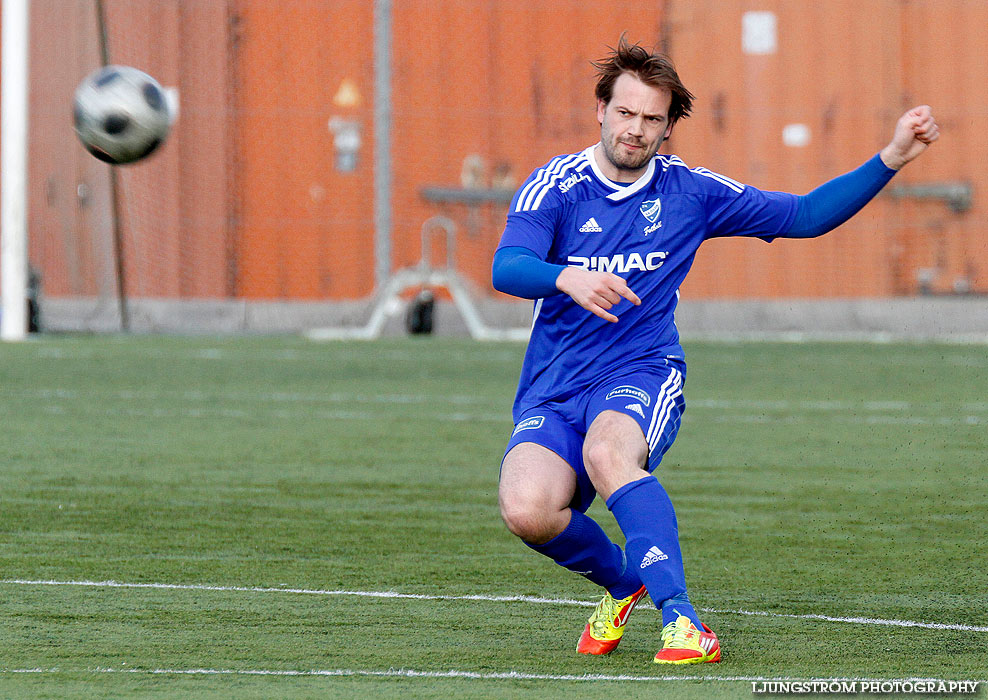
(264,210)
(333,159)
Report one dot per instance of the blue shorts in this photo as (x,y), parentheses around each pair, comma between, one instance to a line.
(652,396)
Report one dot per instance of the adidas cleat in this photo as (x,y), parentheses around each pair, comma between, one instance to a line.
(683,643)
(606,626)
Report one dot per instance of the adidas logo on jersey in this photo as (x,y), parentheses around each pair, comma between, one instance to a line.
(653,555)
(591,226)
(637,408)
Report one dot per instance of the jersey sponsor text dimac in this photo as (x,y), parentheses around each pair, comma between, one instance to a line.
(619,263)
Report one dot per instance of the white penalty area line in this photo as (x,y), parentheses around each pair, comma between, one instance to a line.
(473,675)
(487,598)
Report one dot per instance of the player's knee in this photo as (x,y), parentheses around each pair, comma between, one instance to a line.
(521,522)
(526,519)
(611,463)
(602,458)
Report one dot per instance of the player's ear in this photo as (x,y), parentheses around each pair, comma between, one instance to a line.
(601,107)
(665,136)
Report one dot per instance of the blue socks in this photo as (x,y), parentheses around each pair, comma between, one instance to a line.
(645,514)
(676,606)
(584,548)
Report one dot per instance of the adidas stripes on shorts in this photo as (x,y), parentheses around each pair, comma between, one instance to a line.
(652,396)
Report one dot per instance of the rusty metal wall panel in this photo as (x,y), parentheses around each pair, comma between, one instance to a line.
(173,206)
(249,199)
(847,70)
(307,226)
(486,92)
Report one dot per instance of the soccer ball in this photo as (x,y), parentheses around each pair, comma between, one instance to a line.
(121,114)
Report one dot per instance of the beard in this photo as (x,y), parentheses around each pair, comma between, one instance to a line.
(622,159)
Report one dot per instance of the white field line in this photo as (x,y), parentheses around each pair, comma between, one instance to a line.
(461,400)
(473,675)
(456,407)
(504,418)
(461,408)
(281,397)
(288,397)
(457,416)
(479,597)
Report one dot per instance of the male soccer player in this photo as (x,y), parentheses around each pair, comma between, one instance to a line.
(602,240)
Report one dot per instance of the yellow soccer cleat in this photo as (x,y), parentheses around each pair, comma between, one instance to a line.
(606,626)
(683,643)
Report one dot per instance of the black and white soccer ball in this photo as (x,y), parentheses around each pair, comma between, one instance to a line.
(121,114)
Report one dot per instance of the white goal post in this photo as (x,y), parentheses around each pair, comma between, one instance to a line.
(13,164)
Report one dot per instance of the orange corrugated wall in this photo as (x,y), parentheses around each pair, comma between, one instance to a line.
(250,203)
(175,208)
(510,80)
(306,230)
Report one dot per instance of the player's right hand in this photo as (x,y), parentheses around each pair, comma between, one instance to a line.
(597,292)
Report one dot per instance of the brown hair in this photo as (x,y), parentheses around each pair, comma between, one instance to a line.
(652,68)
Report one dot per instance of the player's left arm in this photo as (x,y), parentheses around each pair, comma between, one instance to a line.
(914,132)
(836,201)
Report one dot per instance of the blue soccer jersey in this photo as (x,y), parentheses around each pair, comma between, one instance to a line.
(648,232)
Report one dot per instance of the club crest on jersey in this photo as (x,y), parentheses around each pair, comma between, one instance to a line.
(532,423)
(627,390)
(651,209)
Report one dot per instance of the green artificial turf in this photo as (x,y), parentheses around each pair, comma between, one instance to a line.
(277,483)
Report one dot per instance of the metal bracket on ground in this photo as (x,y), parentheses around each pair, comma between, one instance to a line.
(424,275)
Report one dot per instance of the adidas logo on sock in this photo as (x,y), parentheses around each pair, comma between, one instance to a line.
(591,226)
(637,408)
(653,555)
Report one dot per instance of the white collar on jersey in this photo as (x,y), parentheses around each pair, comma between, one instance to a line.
(620,192)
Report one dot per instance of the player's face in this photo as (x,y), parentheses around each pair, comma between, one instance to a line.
(632,127)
